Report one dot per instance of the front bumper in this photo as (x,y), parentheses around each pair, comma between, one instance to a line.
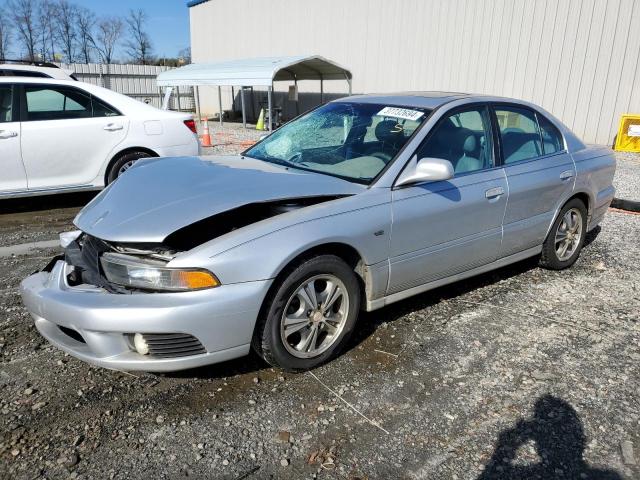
(222,319)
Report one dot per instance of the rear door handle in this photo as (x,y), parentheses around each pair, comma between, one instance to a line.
(494,192)
(8,134)
(112,127)
(566,175)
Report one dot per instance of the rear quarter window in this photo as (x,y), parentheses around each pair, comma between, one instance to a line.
(102,109)
(552,140)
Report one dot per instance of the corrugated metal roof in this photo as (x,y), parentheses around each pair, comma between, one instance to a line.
(255,71)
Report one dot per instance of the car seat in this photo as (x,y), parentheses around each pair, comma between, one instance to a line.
(390,134)
(468,161)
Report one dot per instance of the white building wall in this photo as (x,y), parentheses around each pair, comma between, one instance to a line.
(577,58)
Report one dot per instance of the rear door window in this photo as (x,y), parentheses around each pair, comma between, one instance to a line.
(519,134)
(56,103)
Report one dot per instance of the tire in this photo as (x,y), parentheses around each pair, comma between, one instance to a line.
(552,256)
(297,349)
(122,163)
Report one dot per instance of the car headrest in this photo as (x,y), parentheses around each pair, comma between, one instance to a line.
(465,138)
(389,131)
(470,144)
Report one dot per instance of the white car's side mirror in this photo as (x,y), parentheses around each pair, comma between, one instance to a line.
(426,170)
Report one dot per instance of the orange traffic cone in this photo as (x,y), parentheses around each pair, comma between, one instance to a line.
(205,138)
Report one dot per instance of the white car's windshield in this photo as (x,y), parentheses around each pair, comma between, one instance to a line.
(354,141)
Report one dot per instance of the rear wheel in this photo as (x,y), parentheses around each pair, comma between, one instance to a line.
(562,247)
(311,316)
(123,163)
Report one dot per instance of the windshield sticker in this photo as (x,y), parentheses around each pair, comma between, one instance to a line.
(396,112)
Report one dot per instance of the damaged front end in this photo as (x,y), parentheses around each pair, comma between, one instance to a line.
(126,268)
(85,254)
(119,269)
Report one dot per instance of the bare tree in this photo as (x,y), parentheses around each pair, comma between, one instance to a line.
(66,23)
(139,45)
(86,22)
(5,34)
(44,28)
(25,24)
(107,36)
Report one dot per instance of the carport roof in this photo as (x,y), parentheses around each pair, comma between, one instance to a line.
(255,71)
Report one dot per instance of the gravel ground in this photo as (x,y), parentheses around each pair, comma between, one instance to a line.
(231,138)
(627,179)
(519,373)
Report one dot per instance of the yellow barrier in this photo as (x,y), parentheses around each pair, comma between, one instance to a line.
(628,139)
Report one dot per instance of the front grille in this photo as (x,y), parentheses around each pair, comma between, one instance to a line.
(168,345)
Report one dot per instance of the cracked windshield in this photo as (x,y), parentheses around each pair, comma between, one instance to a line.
(354,141)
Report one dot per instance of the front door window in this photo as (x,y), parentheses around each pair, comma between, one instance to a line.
(463,138)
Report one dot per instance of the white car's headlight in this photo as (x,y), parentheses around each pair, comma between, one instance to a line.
(154,275)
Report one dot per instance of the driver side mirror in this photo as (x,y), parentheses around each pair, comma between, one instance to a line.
(426,170)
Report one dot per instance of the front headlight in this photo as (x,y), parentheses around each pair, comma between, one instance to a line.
(154,275)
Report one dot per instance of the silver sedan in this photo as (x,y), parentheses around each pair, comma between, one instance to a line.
(357,204)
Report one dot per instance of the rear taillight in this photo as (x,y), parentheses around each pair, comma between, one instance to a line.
(191,125)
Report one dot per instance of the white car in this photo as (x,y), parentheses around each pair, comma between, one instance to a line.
(64,135)
(40,70)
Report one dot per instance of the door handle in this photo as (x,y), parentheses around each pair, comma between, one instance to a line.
(494,192)
(8,134)
(112,127)
(566,175)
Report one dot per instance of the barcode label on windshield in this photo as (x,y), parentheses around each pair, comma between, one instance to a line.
(405,113)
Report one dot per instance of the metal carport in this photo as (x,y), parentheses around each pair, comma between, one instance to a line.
(252,72)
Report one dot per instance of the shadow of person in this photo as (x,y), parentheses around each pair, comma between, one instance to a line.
(558,435)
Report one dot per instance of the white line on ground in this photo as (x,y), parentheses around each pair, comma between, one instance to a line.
(24,248)
(375,424)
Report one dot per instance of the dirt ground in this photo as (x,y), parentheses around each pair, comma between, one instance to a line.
(516,374)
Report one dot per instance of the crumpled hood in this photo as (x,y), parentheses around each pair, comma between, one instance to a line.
(158,196)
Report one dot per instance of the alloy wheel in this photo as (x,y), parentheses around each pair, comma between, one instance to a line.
(569,234)
(314,316)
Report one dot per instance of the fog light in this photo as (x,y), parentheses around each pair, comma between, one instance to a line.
(141,344)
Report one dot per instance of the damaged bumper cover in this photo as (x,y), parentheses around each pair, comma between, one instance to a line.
(97,326)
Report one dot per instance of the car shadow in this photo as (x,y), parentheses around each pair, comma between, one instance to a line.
(46,202)
(369,322)
(557,434)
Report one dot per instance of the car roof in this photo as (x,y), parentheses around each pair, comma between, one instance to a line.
(53,72)
(56,81)
(428,100)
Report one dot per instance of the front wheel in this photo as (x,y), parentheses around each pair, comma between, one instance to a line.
(566,238)
(311,315)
